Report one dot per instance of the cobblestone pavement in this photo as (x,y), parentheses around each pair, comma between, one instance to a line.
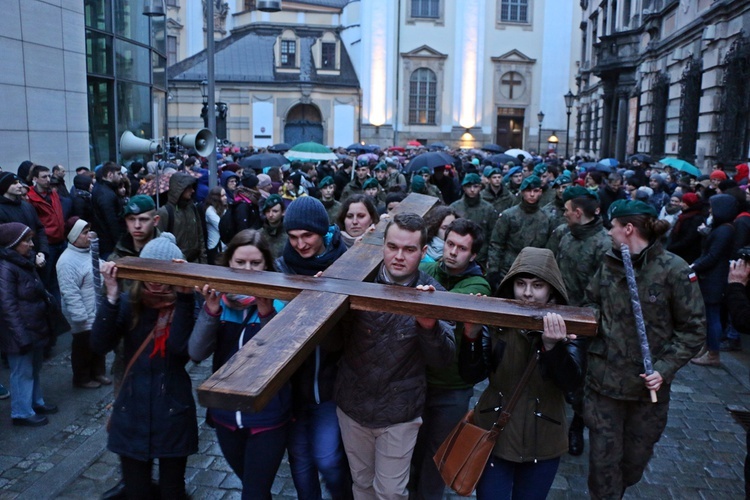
(700,454)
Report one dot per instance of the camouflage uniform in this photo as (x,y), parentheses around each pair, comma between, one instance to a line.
(580,253)
(276,237)
(354,187)
(624,425)
(433,190)
(332,209)
(555,209)
(518,227)
(549,194)
(483,214)
(395,179)
(499,201)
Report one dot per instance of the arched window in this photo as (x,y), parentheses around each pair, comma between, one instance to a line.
(422,97)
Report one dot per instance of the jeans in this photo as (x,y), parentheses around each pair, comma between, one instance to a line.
(315,446)
(713,326)
(443,409)
(137,477)
(25,389)
(255,458)
(505,480)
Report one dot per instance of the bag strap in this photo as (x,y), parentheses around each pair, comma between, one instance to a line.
(133,359)
(505,414)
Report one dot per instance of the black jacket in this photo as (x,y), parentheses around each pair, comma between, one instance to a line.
(685,240)
(22,211)
(107,222)
(23,303)
(154,413)
(712,266)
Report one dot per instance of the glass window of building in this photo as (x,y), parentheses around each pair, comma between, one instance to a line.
(328,55)
(288,53)
(425,8)
(171,50)
(422,97)
(514,11)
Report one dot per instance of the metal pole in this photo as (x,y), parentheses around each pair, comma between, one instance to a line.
(567,135)
(211,104)
(539,142)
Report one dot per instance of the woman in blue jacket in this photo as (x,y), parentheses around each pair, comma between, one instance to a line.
(153,416)
(252,443)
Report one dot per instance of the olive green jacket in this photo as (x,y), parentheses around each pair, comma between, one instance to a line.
(518,227)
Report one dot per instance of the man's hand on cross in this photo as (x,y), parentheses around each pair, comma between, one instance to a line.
(426,323)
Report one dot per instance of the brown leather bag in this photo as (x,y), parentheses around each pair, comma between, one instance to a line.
(464,453)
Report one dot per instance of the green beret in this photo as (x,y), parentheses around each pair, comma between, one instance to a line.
(363,163)
(380,166)
(325,181)
(531,182)
(578,192)
(418,184)
(471,179)
(424,170)
(272,201)
(563,178)
(540,169)
(488,171)
(139,204)
(370,183)
(624,208)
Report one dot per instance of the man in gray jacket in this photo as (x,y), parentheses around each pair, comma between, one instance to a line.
(381,384)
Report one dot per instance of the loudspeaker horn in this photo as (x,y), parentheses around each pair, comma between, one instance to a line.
(203,141)
(131,145)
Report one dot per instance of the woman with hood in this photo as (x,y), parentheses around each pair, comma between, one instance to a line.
(712,268)
(685,240)
(527,453)
(230,181)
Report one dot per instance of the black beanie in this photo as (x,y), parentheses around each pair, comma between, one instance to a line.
(306,213)
(249,180)
(7,179)
(82,182)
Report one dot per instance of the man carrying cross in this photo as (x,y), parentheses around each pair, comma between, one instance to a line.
(381,384)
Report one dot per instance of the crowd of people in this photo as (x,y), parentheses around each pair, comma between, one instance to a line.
(367,411)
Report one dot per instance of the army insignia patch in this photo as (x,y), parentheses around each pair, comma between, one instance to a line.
(692,277)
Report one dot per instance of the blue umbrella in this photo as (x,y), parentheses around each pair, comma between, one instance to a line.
(681,165)
(493,148)
(609,162)
(437,145)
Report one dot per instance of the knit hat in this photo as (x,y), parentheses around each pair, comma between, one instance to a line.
(163,247)
(7,179)
(718,174)
(531,182)
(12,233)
(418,184)
(540,169)
(325,181)
(138,204)
(471,179)
(78,225)
(249,181)
(370,183)
(307,213)
(81,181)
(690,199)
(624,208)
(272,201)
(264,181)
(677,195)
(578,192)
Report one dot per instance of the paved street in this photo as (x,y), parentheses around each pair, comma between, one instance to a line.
(700,455)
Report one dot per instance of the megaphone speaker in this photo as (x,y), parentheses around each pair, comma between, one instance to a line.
(203,141)
(131,145)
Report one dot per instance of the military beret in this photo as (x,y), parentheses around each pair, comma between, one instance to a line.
(624,208)
(370,183)
(363,163)
(540,169)
(380,166)
(417,183)
(578,192)
(424,170)
(513,171)
(272,201)
(325,181)
(488,171)
(471,179)
(563,178)
(138,204)
(531,182)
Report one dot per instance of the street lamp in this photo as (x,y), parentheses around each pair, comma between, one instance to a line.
(204,94)
(154,8)
(553,140)
(540,118)
(568,104)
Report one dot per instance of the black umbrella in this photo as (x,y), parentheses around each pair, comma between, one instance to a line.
(502,158)
(258,162)
(281,147)
(430,160)
(493,148)
(359,148)
(437,145)
(641,157)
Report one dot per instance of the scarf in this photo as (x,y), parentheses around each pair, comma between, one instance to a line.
(164,303)
(237,301)
(348,239)
(335,248)
(435,248)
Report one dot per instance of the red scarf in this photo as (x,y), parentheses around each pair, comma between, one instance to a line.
(164,302)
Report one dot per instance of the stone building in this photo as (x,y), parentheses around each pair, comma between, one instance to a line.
(665,77)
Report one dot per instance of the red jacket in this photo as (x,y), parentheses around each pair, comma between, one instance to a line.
(50,214)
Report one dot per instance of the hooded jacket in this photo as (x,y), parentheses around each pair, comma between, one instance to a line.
(712,266)
(504,357)
(187,225)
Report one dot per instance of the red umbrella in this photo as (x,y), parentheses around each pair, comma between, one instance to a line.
(415,144)
(397,148)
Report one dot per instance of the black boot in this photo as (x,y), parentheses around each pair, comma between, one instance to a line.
(575,436)
(115,493)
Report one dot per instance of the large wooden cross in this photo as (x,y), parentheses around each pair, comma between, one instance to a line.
(255,373)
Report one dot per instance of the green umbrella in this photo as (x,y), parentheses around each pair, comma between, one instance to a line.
(681,165)
(310,151)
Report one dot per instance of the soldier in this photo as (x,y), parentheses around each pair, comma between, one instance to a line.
(544,172)
(361,174)
(523,225)
(395,177)
(556,208)
(513,180)
(495,193)
(624,424)
(432,190)
(579,255)
(374,192)
(327,188)
(474,208)
(273,225)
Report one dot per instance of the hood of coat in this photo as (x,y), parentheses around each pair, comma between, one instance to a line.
(723,208)
(539,262)
(177,184)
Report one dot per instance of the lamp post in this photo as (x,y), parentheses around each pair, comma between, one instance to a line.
(204,95)
(568,104)
(540,118)
(553,140)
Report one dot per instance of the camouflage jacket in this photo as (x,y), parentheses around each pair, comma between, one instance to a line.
(579,255)
(675,320)
(395,179)
(276,238)
(548,195)
(332,209)
(518,227)
(481,213)
(555,209)
(433,190)
(354,187)
(499,201)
